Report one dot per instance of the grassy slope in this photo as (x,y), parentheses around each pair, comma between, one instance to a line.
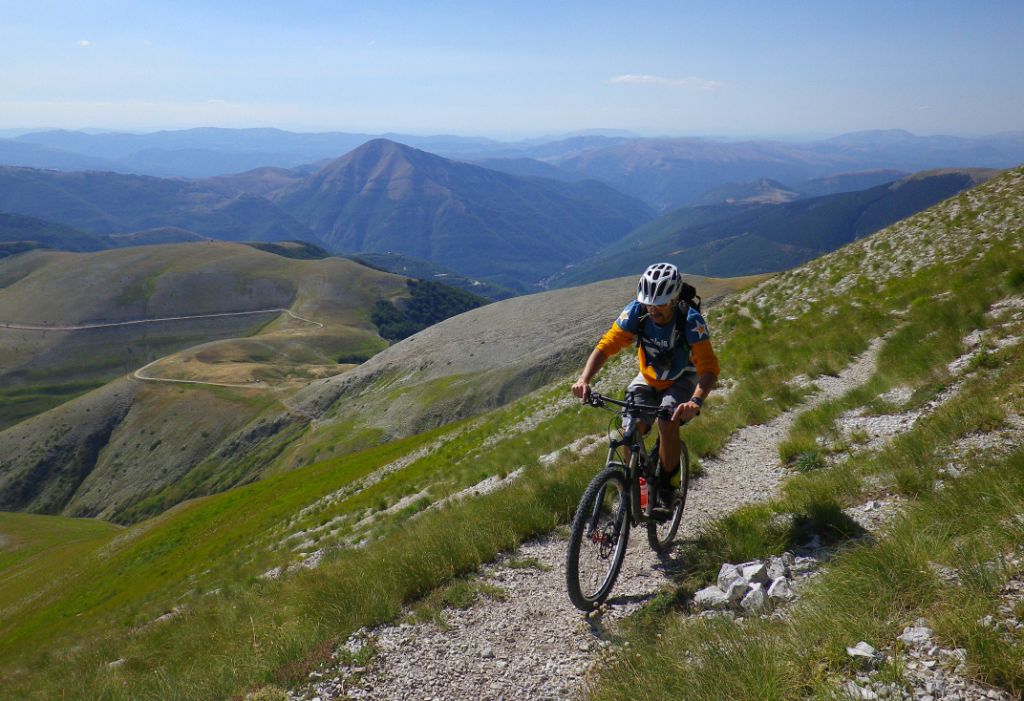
(170,428)
(35,550)
(467,365)
(875,587)
(168,281)
(277,642)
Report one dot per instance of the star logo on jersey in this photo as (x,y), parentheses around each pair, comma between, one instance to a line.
(623,316)
(701,329)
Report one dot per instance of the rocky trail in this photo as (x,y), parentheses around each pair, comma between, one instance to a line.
(523,639)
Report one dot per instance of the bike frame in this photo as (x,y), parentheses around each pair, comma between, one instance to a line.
(637,465)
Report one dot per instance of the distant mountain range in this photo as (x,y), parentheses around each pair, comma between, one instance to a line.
(382,197)
(750,238)
(518,230)
(664,172)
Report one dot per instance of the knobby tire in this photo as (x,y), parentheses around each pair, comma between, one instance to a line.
(661,535)
(598,539)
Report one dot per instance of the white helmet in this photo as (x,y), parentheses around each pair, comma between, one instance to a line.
(660,284)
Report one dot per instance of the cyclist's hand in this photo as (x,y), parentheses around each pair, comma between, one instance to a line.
(581,389)
(686,411)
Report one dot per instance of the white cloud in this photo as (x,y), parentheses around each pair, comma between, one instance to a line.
(84,43)
(690,82)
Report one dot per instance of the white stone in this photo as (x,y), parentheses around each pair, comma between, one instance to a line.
(736,590)
(858,692)
(777,568)
(756,573)
(862,649)
(116,663)
(728,574)
(780,590)
(710,598)
(755,600)
(916,635)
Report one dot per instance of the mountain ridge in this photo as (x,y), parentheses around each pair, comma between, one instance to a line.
(386,196)
(746,238)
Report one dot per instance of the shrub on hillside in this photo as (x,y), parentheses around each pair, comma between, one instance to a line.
(428,303)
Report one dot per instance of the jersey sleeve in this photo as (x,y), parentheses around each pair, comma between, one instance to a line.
(701,352)
(704,358)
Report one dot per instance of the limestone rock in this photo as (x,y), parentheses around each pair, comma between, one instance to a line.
(736,590)
(777,568)
(781,590)
(755,601)
(727,575)
(755,572)
(710,598)
(916,636)
(862,649)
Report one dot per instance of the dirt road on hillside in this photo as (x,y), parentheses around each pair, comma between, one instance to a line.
(135,322)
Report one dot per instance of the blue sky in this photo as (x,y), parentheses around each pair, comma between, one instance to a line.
(515,69)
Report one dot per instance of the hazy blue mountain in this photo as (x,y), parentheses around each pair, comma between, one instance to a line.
(664,172)
(29,155)
(116,146)
(732,240)
(670,172)
(528,167)
(768,191)
(388,197)
(259,181)
(111,203)
(206,152)
(39,233)
(157,236)
(425,270)
(46,234)
(763,191)
(896,148)
(849,182)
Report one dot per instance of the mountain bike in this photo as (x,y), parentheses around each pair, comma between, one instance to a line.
(622,495)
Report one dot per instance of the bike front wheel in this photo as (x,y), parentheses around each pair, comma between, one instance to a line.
(661,534)
(597,541)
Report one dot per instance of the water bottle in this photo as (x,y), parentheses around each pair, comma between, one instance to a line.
(643,493)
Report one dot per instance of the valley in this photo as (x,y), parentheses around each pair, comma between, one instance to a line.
(313,529)
(268,424)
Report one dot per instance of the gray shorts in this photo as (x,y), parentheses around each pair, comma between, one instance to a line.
(679,393)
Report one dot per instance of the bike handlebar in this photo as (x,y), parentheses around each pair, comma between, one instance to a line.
(630,408)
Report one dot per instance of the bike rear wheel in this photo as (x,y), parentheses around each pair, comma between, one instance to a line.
(661,534)
(597,541)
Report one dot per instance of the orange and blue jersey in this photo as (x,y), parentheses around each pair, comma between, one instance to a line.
(665,356)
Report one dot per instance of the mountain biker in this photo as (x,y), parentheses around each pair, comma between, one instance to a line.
(678,367)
